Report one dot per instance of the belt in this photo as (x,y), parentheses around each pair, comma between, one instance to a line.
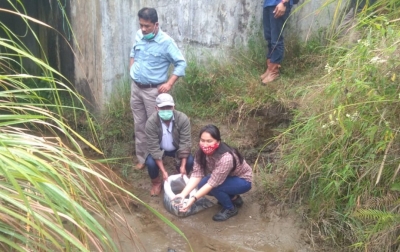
(140,85)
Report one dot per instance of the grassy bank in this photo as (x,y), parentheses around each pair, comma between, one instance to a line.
(342,151)
(52,197)
(339,157)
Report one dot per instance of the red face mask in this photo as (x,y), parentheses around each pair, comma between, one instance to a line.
(209,149)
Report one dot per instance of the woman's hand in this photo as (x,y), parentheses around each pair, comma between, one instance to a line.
(186,207)
(177,200)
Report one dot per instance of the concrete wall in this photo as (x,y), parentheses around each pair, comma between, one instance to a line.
(105,30)
(103,33)
(310,18)
(86,24)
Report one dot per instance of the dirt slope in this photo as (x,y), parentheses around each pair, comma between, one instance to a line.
(251,230)
(260,225)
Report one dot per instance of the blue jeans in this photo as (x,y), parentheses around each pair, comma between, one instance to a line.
(153,168)
(273,33)
(227,190)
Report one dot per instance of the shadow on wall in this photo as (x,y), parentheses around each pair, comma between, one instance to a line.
(53,47)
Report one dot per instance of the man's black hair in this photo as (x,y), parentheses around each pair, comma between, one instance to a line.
(149,14)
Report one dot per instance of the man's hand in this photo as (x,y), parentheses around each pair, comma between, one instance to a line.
(165,175)
(164,88)
(182,170)
(131,61)
(280,10)
(160,165)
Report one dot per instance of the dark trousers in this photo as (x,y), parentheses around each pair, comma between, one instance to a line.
(227,190)
(273,33)
(153,168)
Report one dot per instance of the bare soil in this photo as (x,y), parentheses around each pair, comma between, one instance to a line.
(261,225)
(252,229)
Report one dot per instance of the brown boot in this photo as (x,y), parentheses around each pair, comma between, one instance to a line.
(273,73)
(156,185)
(266,70)
(139,166)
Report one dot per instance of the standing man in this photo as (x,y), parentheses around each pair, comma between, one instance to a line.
(275,13)
(151,55)
(168,134)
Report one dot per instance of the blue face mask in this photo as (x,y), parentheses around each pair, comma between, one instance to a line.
(150,35)
(165,115)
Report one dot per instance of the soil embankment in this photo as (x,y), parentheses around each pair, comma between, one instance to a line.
(253,229)
(259,226)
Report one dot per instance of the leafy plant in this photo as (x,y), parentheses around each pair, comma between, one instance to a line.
(52,197)
(341,148)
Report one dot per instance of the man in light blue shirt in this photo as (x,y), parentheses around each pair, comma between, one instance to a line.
(275,14)
(151,55)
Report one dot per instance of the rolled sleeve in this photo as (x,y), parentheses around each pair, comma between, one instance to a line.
(176,57)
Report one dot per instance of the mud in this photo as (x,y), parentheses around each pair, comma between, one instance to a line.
(261,225)
(255,228)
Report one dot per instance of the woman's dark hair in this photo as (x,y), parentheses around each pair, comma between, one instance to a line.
(149,14)
(223,148)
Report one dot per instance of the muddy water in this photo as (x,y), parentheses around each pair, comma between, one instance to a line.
(250,230)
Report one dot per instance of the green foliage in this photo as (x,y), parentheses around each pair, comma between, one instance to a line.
(377,225)
(342,148)
(340,154)
(52,197)
(225,87)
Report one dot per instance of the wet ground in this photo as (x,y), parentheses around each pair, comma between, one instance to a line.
(260,225)
(255,228)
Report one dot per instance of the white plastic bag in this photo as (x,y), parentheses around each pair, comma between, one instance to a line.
(175,185)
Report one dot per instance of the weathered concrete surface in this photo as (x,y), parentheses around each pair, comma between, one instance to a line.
(105,31)
(85,21)
(209,23)
(312,17)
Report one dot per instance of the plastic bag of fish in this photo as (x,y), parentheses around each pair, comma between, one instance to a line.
(175,185)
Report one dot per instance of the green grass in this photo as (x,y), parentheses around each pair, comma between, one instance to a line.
(340,154)
(342,148)
(52,196)
(341,151)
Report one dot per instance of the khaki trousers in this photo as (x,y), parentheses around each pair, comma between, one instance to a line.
(143,104)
